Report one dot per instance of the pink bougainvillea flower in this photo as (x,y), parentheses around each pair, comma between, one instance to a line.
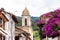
(57,11)
(40,22)
(54,33)
(51,23)
(58,15)
(48,15)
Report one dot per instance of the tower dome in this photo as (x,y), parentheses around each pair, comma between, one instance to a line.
(25,12)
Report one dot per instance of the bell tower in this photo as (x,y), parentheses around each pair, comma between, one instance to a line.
(26,18)
(26,22)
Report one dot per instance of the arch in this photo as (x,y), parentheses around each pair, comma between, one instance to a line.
(25,21)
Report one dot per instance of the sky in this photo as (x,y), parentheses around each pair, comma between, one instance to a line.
(36,7)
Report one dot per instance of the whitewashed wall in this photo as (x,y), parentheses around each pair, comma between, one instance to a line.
(13,29)
(56,38)
(10,27)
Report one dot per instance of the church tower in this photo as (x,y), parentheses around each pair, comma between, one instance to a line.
(26,22)
(26,18)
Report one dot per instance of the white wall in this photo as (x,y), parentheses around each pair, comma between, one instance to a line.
(13,29)
(10,27)
(56,38)
(22,38)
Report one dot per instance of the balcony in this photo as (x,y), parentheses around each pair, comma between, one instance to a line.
(2,29)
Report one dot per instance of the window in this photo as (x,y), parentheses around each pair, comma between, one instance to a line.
(25,22)
(2,23)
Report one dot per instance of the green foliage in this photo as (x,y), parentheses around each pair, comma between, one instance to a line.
(34,20)
(35,28)
(20,21)
(36,35)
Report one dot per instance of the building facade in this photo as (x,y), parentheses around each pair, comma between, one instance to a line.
(7,25)
(8,29)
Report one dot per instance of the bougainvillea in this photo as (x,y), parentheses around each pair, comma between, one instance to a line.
(50,23)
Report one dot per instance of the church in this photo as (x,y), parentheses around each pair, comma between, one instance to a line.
(26,26)
(9,30)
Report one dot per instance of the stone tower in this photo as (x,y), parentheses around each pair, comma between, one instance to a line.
(26,21)
(26,18)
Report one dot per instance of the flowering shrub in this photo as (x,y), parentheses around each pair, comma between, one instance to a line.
(51,23)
